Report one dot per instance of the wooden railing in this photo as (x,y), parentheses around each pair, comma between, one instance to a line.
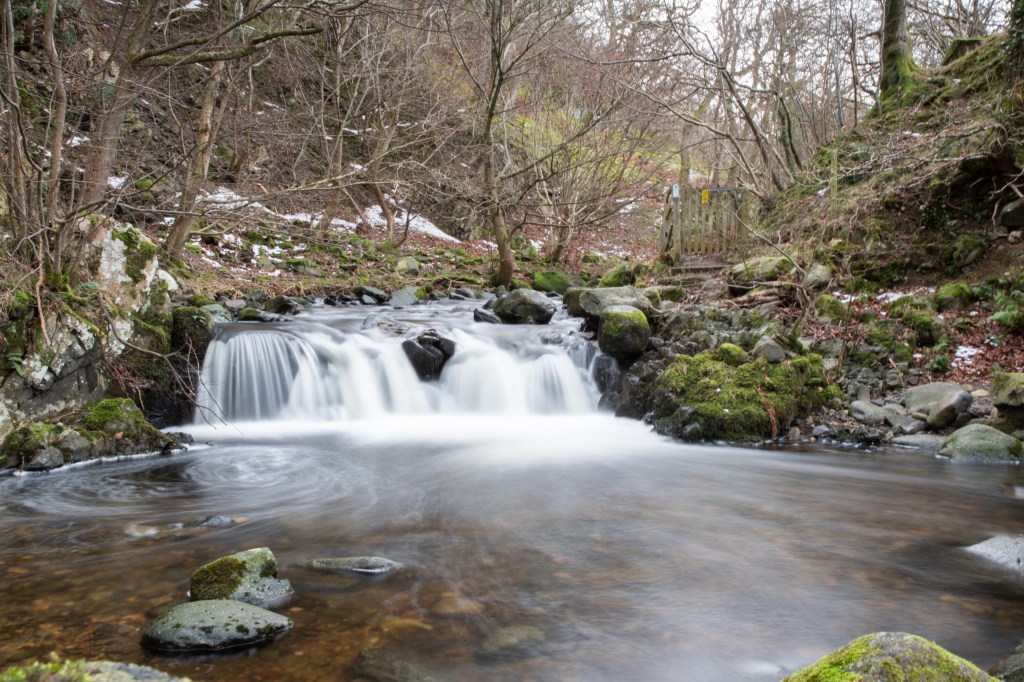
(703,221)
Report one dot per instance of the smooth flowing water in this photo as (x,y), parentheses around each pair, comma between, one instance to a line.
(510,500)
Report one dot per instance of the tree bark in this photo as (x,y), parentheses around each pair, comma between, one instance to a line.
(897,61)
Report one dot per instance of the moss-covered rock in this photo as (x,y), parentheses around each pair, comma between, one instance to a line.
(953,296)
(731,354)
(525,306)
(702,397)
(249,576)
(623,274)
(744,276)
(831,310)
(980,443)
(85,671)
(551,280)
(123,422)
(890,657)
(140,253)
(623,332)
(199,300)
(191,329)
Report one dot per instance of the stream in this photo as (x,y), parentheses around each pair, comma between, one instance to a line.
(509,499)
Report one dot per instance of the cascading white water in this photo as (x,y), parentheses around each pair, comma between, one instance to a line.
(313,372)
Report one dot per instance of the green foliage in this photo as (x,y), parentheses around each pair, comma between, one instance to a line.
(1010,311)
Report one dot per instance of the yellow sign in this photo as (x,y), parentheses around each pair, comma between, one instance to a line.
(703,196)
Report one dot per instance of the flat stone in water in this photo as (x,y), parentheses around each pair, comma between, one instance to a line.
(514,641)
(369,565)
(213,625)
(388,665)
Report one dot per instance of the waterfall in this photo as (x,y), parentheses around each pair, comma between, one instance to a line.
(311,371)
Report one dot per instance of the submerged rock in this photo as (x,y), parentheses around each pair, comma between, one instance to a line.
(514,641)
(388,665)
(86,671)
(525,306)
(366,565)
(890,657)
(249,576)
(213,625)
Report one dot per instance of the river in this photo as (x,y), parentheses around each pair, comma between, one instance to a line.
(510,500)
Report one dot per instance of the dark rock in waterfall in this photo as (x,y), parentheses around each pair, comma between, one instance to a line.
(249,576)
(386,323)
(255,315)
(525,306)
(213,625)
(377,295)
(428,353)
(466,293)
(285,305)
(484,315)
(362,565)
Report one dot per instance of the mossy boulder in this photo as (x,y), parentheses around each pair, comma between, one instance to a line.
(981,443)
(572,299)
(191,329)
(623,332)
(85,671)
(114,426)
(702,397)
(623,274)
(304,266)
(407,266)
(213,625)
(249,576)
(731,354)
(953,296)
(551,280)
(1008,396)
(593,302)
(744,276)
(831,310)
(927,327)
(890,657)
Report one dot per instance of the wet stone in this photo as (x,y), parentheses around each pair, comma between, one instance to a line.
(388,665)
(249,576)
(514,641)
(213,625)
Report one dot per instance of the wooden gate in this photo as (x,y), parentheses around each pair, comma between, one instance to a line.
(700,222)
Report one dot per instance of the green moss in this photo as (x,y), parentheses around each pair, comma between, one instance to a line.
(218,579)
(624,274)
(830,309)
(551,280)
(718,401)
(24,442)
(113,414)
(54,671)
(731,354)
(22,303)
(199,300)
(140,251)
(889,657)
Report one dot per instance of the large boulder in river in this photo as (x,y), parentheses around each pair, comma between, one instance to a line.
(213,625)
(890,657)
(525,306)
(623,332)
(249,576)
(593,302)
(86,671)
(428,353)
(981,443)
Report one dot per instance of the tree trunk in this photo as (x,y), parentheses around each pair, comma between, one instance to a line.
(1014,70)
(897,61)
(200,166)
(496,214)
(14,176)
(124,92)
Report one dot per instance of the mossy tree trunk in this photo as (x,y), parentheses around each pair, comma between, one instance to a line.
(897,61)
(1014,70)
